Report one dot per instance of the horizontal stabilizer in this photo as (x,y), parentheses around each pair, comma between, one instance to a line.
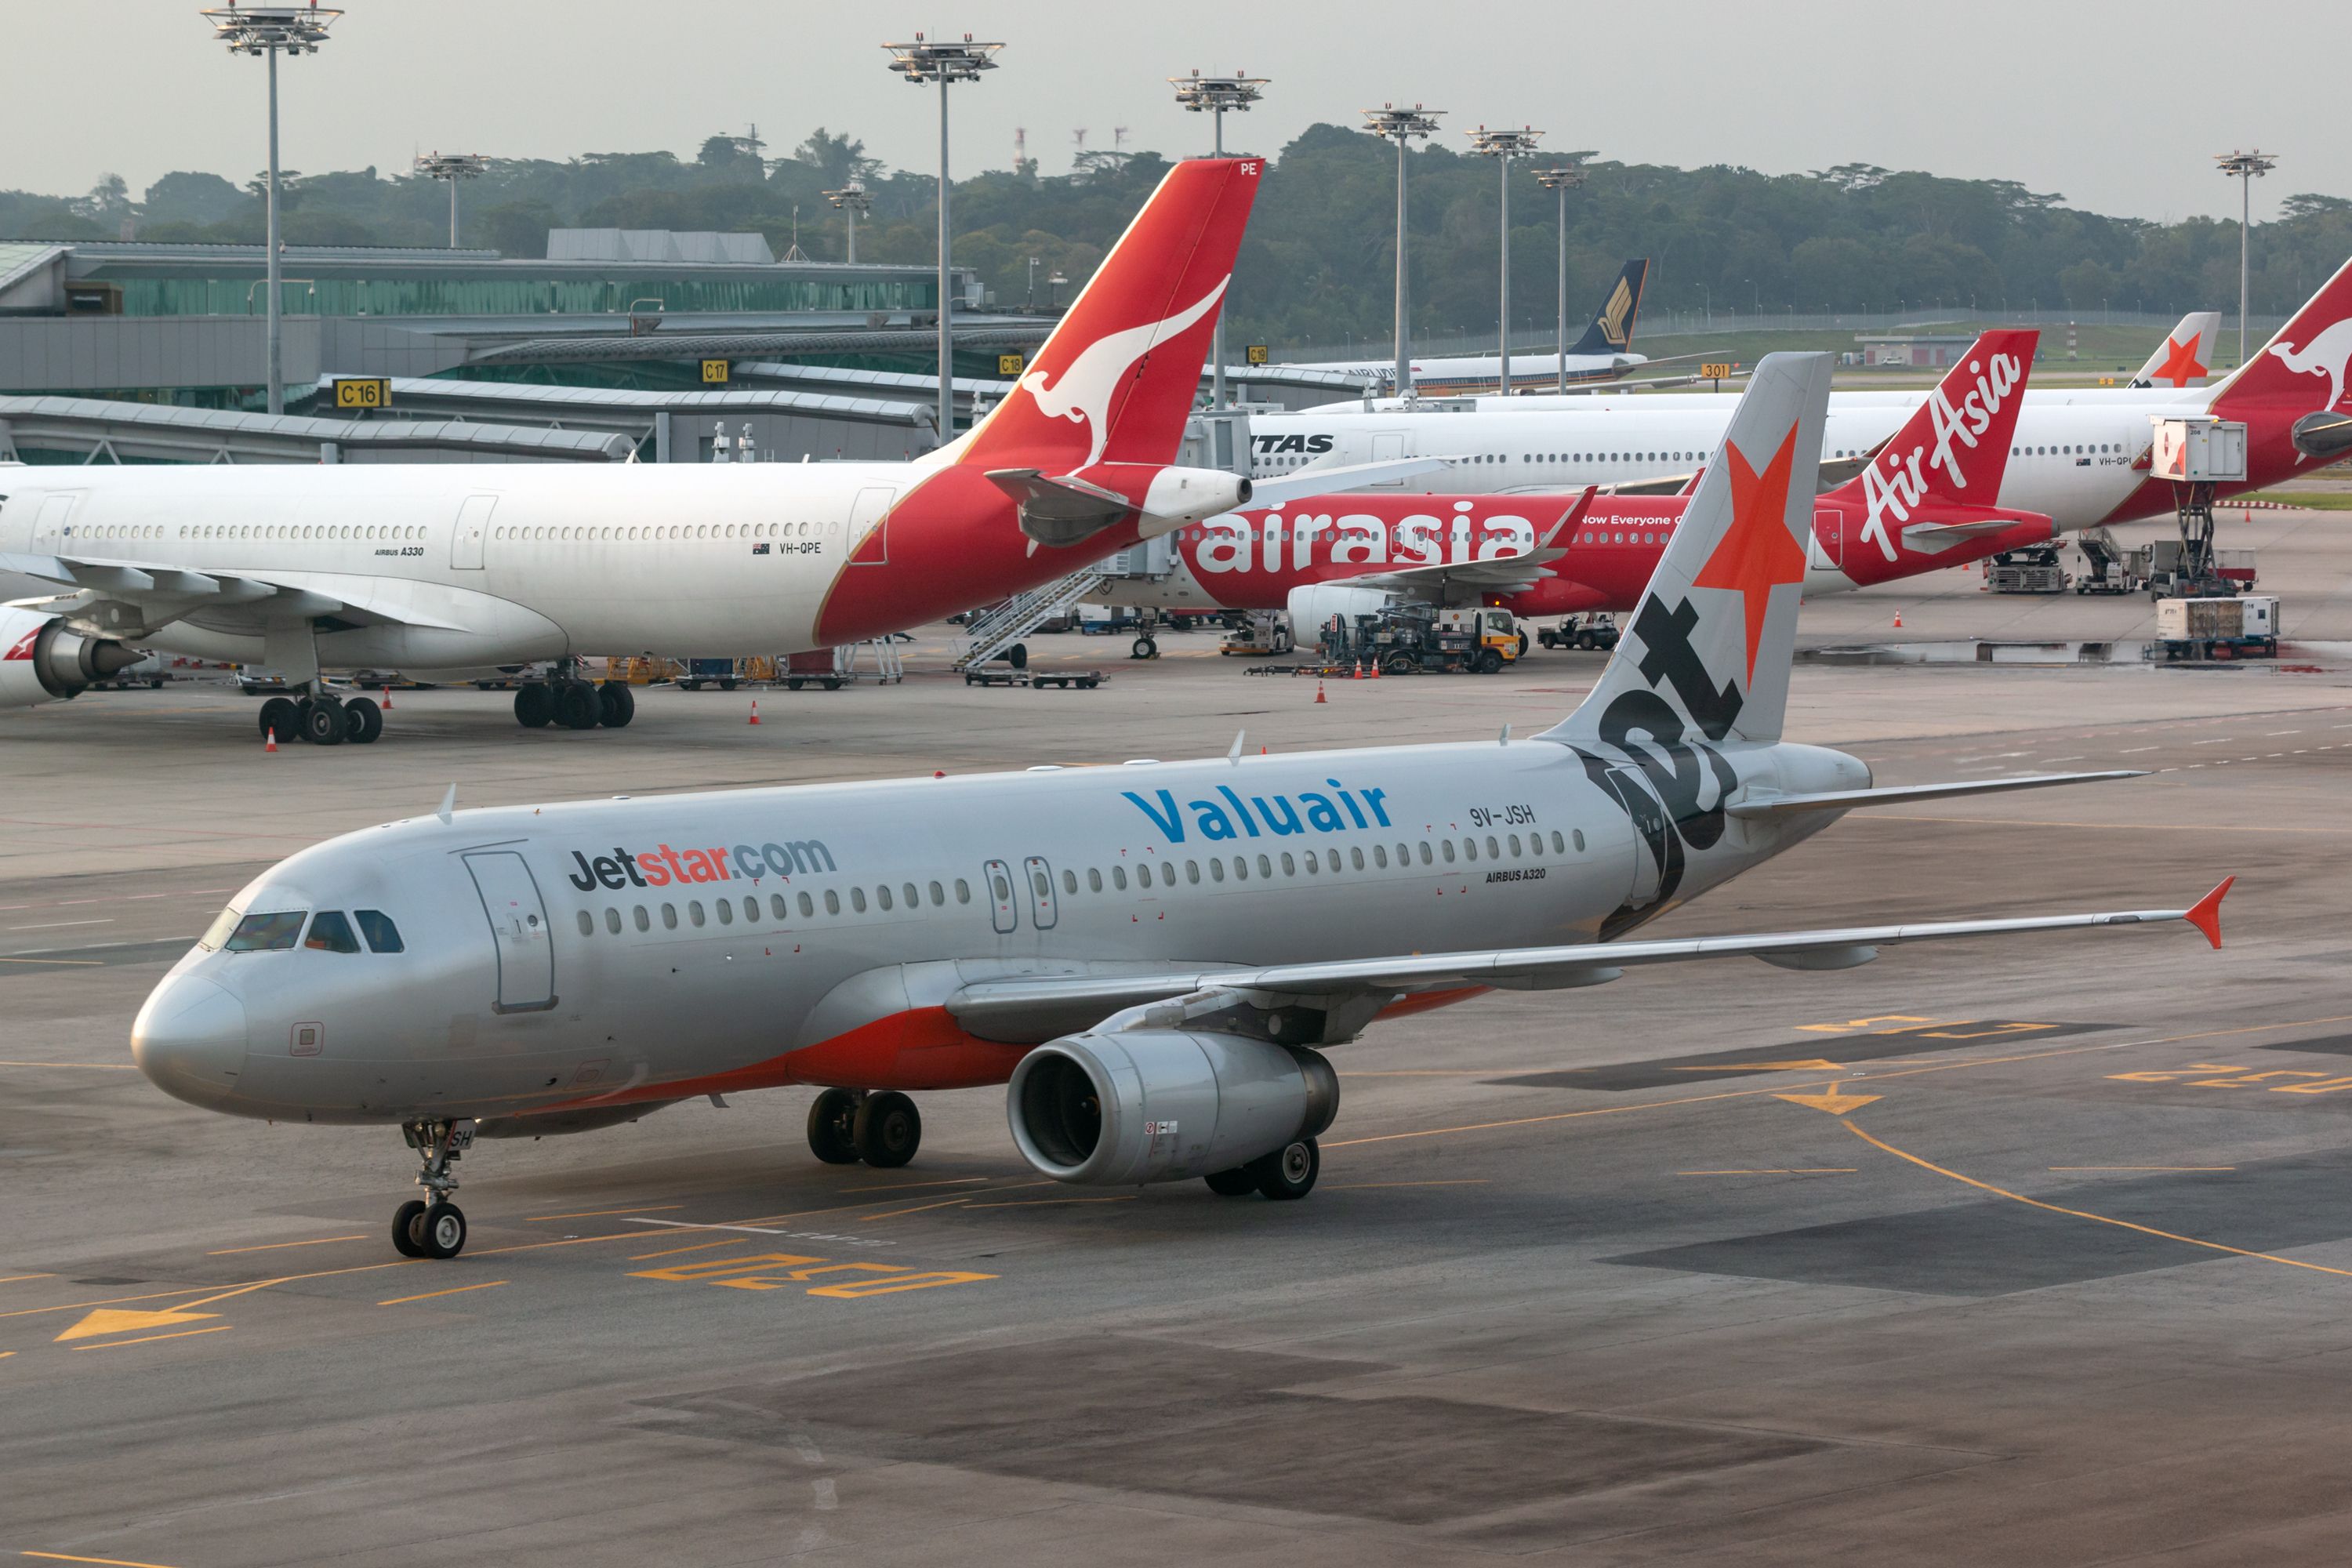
(1756,808)
(1061,510)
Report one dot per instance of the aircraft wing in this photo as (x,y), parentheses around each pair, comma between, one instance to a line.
(1929,535)
(1503,574)
(1031,1009)
(158,596)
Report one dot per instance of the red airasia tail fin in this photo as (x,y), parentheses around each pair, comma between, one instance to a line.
(2307,367)
(1116,382)
(1955,446)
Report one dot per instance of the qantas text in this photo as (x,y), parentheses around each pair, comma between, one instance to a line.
(660,868)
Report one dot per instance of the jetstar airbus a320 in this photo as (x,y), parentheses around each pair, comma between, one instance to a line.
(1923,502)
(1152,958)
(452,565)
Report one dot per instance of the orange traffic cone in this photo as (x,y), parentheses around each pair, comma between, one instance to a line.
(1898,620)
(1360,669)
(1376,669)
(755,711)
(387,699)
(270,745)
(1319,690)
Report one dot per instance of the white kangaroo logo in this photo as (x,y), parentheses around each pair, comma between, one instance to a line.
(1083,392)
(2325,354)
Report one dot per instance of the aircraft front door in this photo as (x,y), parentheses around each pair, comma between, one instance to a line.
(1004,908)
(518,926)
(473,527)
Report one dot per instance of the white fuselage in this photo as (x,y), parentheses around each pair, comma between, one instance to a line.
(2074,458)
(1473,372)
(665,941)
(483,563)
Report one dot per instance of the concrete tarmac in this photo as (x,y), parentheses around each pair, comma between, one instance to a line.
(2020,1251)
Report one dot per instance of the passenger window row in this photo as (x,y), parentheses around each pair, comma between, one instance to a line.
(779,908)
(562,533)
(295,531)
(1326,862)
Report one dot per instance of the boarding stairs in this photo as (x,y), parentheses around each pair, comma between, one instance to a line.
(997,629)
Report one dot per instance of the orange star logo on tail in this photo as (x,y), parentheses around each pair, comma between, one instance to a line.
(1756,554)
(2179,364)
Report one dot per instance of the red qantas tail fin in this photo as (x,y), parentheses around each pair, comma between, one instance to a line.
(1955,446)
(1116,381)
(2305,367)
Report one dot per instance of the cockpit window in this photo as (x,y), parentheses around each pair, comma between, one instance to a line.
(267,933)
(331,932)
(382,936)
(218,932)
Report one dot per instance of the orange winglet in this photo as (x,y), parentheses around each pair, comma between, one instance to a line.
(2206,913)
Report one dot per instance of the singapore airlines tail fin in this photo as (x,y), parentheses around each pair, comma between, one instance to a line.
(2181,359)
(2305,366)
(1955,446)
(1708,647)
(1115,382)
(1611,328)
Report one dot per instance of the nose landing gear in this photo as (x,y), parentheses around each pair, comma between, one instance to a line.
(845,1126)
(434,1229)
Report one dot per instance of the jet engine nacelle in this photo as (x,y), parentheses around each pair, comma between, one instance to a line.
(41,661)
(1179,496)
(2324,435)
(1125,1108)
(1312,605)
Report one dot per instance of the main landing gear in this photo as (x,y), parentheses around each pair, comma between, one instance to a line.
(566,698)
(435,1227)
(323,718)
(845,1126)
(1288,1173)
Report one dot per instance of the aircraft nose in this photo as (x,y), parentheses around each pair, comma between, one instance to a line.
(190,1039)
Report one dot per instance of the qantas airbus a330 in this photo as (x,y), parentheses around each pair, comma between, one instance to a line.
(452,565)
(1152,958)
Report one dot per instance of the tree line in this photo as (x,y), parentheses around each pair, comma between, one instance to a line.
(1318,262)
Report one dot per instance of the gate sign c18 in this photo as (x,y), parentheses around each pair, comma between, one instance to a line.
(715,370)
(363,392)
(1009,364)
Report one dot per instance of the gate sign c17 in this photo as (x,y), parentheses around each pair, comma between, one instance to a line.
(363,392)
(714,370)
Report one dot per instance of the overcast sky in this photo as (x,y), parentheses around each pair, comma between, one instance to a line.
(2118,104)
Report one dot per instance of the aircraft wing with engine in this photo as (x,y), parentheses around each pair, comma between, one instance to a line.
(124,599)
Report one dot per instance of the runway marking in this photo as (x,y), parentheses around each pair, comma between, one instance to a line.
(1792,1170)
(93,1067)
(774,1270)
(2085,1214)
(2325,1082)
(61,962)
(2134,750)
(1833,1102)
(919,1208)
(596,1214)
(674,1251)
(1369,1186)
(2143,1167)
(59,925)
(1049,1203)
(68,1557)
(113,1320)
(770,1230)
(452,1290)
(151,1339)
(12,1279)
(278,1246)
(910,1186)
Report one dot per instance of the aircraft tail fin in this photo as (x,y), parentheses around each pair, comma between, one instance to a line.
(1611,328)
(2304,366)
(1116,381)
(1707,650)
(1955,446)
(2182,358)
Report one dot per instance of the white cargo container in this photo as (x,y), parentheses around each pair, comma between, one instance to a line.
(2199,448)
(2224,627)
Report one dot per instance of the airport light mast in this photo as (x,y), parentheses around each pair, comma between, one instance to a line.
(1400,126)
(1563,179)
(919,62)
(1214,95)
(1503,146)
(853,198)
(2245,168)
(453,167)
(266,30)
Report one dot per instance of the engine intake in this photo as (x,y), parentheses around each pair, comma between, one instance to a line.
(1125,1109)
(2324,436)
(41,661)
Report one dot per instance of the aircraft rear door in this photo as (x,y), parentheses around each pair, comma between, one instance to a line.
(870,526)
(519,925)
(1829,527)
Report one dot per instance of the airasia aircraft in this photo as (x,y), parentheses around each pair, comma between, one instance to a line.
(1923,503)
(1157,980)
(453,565)
(2079,456)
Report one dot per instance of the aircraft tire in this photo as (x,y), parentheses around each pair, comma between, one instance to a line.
(575,705)
(279,717)
(1143,647)
(1238,1182)
(408,1229)
(833,1127)
(1288,1173)
(535,705)
(889,1130)
(442,1231)
(363,721)
(1017,656)
(616,705)
(323,721)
